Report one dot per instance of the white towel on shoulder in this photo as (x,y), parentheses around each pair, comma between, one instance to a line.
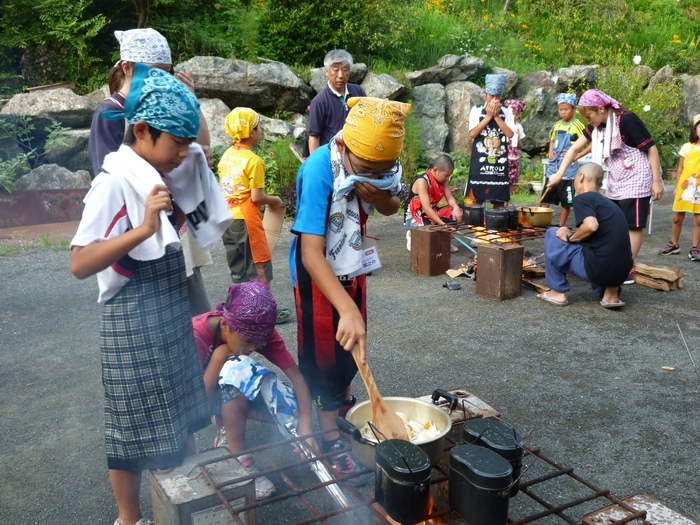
(196,191)
(137,178)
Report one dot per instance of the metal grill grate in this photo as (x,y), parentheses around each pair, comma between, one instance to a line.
(549,492)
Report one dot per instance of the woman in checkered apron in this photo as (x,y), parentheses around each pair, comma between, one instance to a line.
(154,394)
(621,144)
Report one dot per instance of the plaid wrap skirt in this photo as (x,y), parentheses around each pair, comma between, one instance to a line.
(154,388)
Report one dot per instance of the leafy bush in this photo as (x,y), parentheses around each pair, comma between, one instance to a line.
(281,176)
(22,132)
(413,160)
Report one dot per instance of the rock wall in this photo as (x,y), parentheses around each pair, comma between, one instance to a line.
(442,97)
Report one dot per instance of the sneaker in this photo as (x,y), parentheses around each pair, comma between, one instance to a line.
(283,315)
(630,278)
(344,464)
(220,440)
(453,248)
(669,249)
(347,405)
(142,521)
(264,488)
(694,254)
(408,240)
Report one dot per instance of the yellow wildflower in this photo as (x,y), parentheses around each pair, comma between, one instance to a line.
(524,26)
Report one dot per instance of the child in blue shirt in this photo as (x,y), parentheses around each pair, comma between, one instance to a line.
(564,133)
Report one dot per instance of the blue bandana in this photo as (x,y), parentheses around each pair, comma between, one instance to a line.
(162,101)
(495,84)
(567,98)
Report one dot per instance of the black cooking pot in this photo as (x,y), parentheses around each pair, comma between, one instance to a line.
(473,215)
(402,480)
(500,438)
(479,482)
(497,219)
(513,219)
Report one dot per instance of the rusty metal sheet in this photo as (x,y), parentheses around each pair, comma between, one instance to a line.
(24,208)
(657,513)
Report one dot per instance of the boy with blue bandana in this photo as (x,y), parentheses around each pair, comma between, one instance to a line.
(564,133)
(154,393)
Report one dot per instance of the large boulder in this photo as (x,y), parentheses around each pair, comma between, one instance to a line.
(577,77)
(460,97)
(429,110)
(690,96)
(644,72)
(511,81)
(269,86)
(53,177)
(275,129)
(664,74)
(383,86)
(215,113)
(450,68)
(319,79)
(58,105)
(539,93)
(70,150)
(99,94)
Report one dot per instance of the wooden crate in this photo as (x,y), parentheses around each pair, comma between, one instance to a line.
(430,250)
(499,271)
(183,496)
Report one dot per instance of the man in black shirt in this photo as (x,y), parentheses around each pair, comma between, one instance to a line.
(599,251)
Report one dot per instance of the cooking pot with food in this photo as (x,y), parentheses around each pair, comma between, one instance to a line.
(415,410)
(535,216)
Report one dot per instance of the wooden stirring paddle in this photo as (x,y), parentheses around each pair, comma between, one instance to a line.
(543,196)
(383,417)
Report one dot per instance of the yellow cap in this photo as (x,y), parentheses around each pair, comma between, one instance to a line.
(240,122)
(375,128)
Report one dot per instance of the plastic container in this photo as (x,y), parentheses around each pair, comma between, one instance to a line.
(500,438)
(402,480)
(479,481)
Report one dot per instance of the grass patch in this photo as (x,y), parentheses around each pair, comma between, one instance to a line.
(44,243)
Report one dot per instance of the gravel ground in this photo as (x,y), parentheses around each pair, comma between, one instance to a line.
(583,383)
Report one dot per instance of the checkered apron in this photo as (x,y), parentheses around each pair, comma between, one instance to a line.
(630,174)
(154,391)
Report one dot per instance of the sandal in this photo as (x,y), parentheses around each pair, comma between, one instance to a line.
(694,254)
(670,249)
(545,297)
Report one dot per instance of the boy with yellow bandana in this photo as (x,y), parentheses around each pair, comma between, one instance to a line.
(337,188)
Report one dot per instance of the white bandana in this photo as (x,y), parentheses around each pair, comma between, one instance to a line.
(143,45)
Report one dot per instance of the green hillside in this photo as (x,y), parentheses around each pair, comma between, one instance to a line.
(73,39)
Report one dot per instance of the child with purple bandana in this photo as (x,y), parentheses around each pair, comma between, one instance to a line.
(236,383)
(516,142)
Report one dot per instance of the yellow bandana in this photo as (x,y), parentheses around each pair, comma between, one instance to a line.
(240,122)
(374,128)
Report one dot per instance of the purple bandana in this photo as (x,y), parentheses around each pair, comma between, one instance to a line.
(251,311)
(595,97)
(516,105)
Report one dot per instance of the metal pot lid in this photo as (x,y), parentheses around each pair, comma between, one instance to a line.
(482,466)
(494,434)
(402,460)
